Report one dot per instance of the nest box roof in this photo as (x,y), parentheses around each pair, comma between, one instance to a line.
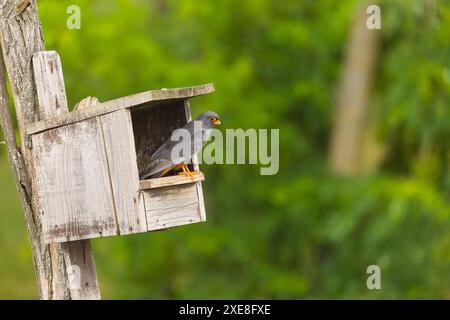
(147,98)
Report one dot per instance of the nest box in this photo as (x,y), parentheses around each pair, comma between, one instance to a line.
(87,165)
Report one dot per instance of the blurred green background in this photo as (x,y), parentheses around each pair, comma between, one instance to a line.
(310,231)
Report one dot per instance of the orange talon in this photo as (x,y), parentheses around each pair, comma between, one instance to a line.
(187,172)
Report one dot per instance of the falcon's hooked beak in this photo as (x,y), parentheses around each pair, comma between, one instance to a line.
(215,121)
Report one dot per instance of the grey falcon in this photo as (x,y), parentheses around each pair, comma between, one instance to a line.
(161,161)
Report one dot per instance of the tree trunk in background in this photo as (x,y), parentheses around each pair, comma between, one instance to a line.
(20,37)
(352,128)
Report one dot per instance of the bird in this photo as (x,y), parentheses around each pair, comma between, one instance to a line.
(161,161)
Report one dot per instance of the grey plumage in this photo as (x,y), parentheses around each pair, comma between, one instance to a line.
(199,131)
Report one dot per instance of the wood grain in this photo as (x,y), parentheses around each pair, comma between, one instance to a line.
(52,99)
(171,181)
(148,98)
(73,182)
(171,206)
(20,37)
(121,155)
(49,84)
(78,255)
(80,268)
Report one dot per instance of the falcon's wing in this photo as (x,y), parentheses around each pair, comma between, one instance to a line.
(161,159)
(155,167)
(165,151)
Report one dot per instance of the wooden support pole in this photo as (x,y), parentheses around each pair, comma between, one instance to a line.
(51,94)
(20,38)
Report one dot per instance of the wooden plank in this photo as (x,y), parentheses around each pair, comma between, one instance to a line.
(149,98)
(73,182)
(121,155)
(80,267)
(49,84)
(171,181)
(196,167)
(77,256)
(171,206)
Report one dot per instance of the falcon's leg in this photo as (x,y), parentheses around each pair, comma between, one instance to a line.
(189,171)
(186,171)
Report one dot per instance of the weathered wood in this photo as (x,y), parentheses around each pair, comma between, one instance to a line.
(148,98)
(171,206)
(97,157)
(14,154)
(51,91)
(78,255)
(23,5)
(52,99)
(121,155)
(171,181)
(73,181)
(196,167)
(20,38)
(20,173)
(80,268)
(79,259)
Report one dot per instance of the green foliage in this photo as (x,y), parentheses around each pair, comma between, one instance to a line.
(303,233)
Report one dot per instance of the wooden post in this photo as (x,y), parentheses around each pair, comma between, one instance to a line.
(51,93)
(20,38)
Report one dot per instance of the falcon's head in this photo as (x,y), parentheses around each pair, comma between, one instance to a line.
(209,119)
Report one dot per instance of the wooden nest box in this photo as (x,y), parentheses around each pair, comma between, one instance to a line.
(87,165)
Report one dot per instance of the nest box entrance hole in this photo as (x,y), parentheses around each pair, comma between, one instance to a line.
(153,126)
